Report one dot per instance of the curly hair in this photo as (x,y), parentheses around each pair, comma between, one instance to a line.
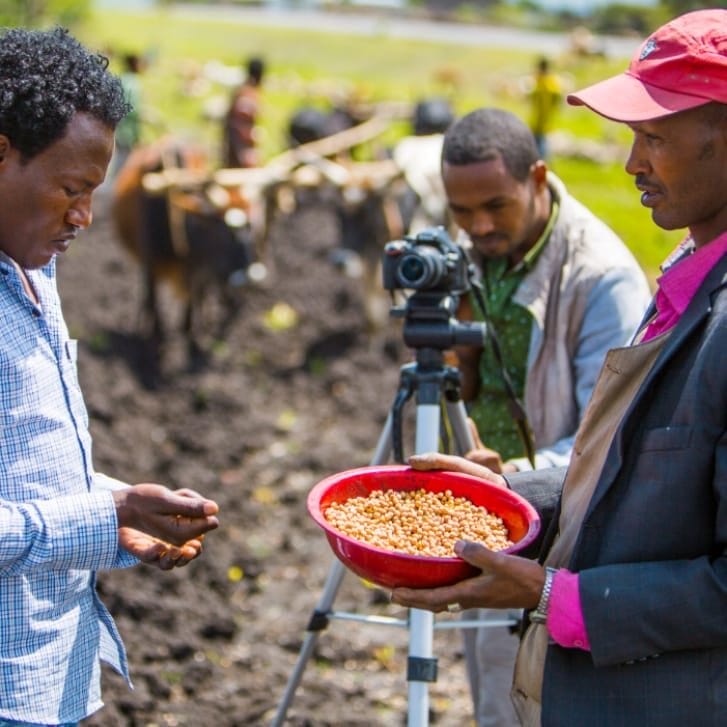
(486,134)
(45,78)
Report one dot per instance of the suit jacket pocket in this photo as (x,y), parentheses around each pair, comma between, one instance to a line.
(666,438)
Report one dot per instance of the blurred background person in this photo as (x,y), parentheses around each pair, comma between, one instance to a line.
(419,156)
(240,122)
(545,99)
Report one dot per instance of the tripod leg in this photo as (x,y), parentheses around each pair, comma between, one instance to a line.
(318,622)
(422,666)
(382,453)
(319,617)
(457,415)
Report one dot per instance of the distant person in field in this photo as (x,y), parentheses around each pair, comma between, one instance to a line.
(545,99)
(240,143)
(419,157)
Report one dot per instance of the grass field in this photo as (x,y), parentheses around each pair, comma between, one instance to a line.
(306,66)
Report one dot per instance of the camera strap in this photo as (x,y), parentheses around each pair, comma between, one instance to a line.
(517,409)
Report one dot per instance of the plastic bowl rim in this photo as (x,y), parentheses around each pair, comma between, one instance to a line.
(314,508)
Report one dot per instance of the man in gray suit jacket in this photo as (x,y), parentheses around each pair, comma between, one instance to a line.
(628,602)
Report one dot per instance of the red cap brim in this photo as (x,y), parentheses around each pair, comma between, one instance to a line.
(626,98)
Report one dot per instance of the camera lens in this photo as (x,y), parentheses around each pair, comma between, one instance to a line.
(422,269)
(412,270)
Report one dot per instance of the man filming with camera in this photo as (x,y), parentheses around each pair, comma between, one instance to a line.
(558,289)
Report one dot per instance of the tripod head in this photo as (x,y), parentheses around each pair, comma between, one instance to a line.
(430,322)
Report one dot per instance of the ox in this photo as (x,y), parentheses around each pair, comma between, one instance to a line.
(384,200)
(372,204)
(192,233)
(375,202)
(311,124)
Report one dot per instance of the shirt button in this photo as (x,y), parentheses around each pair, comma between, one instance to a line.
(578,643)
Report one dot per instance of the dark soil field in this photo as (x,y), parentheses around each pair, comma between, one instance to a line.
(268,415)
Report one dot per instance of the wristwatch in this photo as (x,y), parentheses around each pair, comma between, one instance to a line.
(540,614)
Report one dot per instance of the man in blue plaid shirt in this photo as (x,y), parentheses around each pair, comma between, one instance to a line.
(60,521)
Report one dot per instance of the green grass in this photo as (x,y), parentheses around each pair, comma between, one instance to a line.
(610,193)
(305,66)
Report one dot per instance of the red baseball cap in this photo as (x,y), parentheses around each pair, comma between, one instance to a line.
(680,66)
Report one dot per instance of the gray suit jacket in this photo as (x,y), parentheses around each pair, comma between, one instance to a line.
(652,550)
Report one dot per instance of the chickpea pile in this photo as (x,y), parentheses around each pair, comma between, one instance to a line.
(417,522)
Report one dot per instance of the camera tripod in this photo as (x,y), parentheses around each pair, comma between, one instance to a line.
(436,386)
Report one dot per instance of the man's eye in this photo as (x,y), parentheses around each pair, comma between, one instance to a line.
(71,192)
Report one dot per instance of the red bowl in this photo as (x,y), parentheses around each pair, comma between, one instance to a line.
(391,569)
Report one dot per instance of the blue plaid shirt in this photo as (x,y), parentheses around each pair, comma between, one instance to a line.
(57,519)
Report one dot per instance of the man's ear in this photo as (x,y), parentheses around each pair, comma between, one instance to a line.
(539,172)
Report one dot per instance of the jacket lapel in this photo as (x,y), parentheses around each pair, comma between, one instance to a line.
(698,309)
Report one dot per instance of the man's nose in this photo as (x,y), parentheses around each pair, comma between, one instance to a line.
(637,162)
(482,224)
(80,214)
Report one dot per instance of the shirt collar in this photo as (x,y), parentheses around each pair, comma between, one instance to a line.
(532,254)
(686,268)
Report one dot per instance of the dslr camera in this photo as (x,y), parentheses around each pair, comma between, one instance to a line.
(428,261)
